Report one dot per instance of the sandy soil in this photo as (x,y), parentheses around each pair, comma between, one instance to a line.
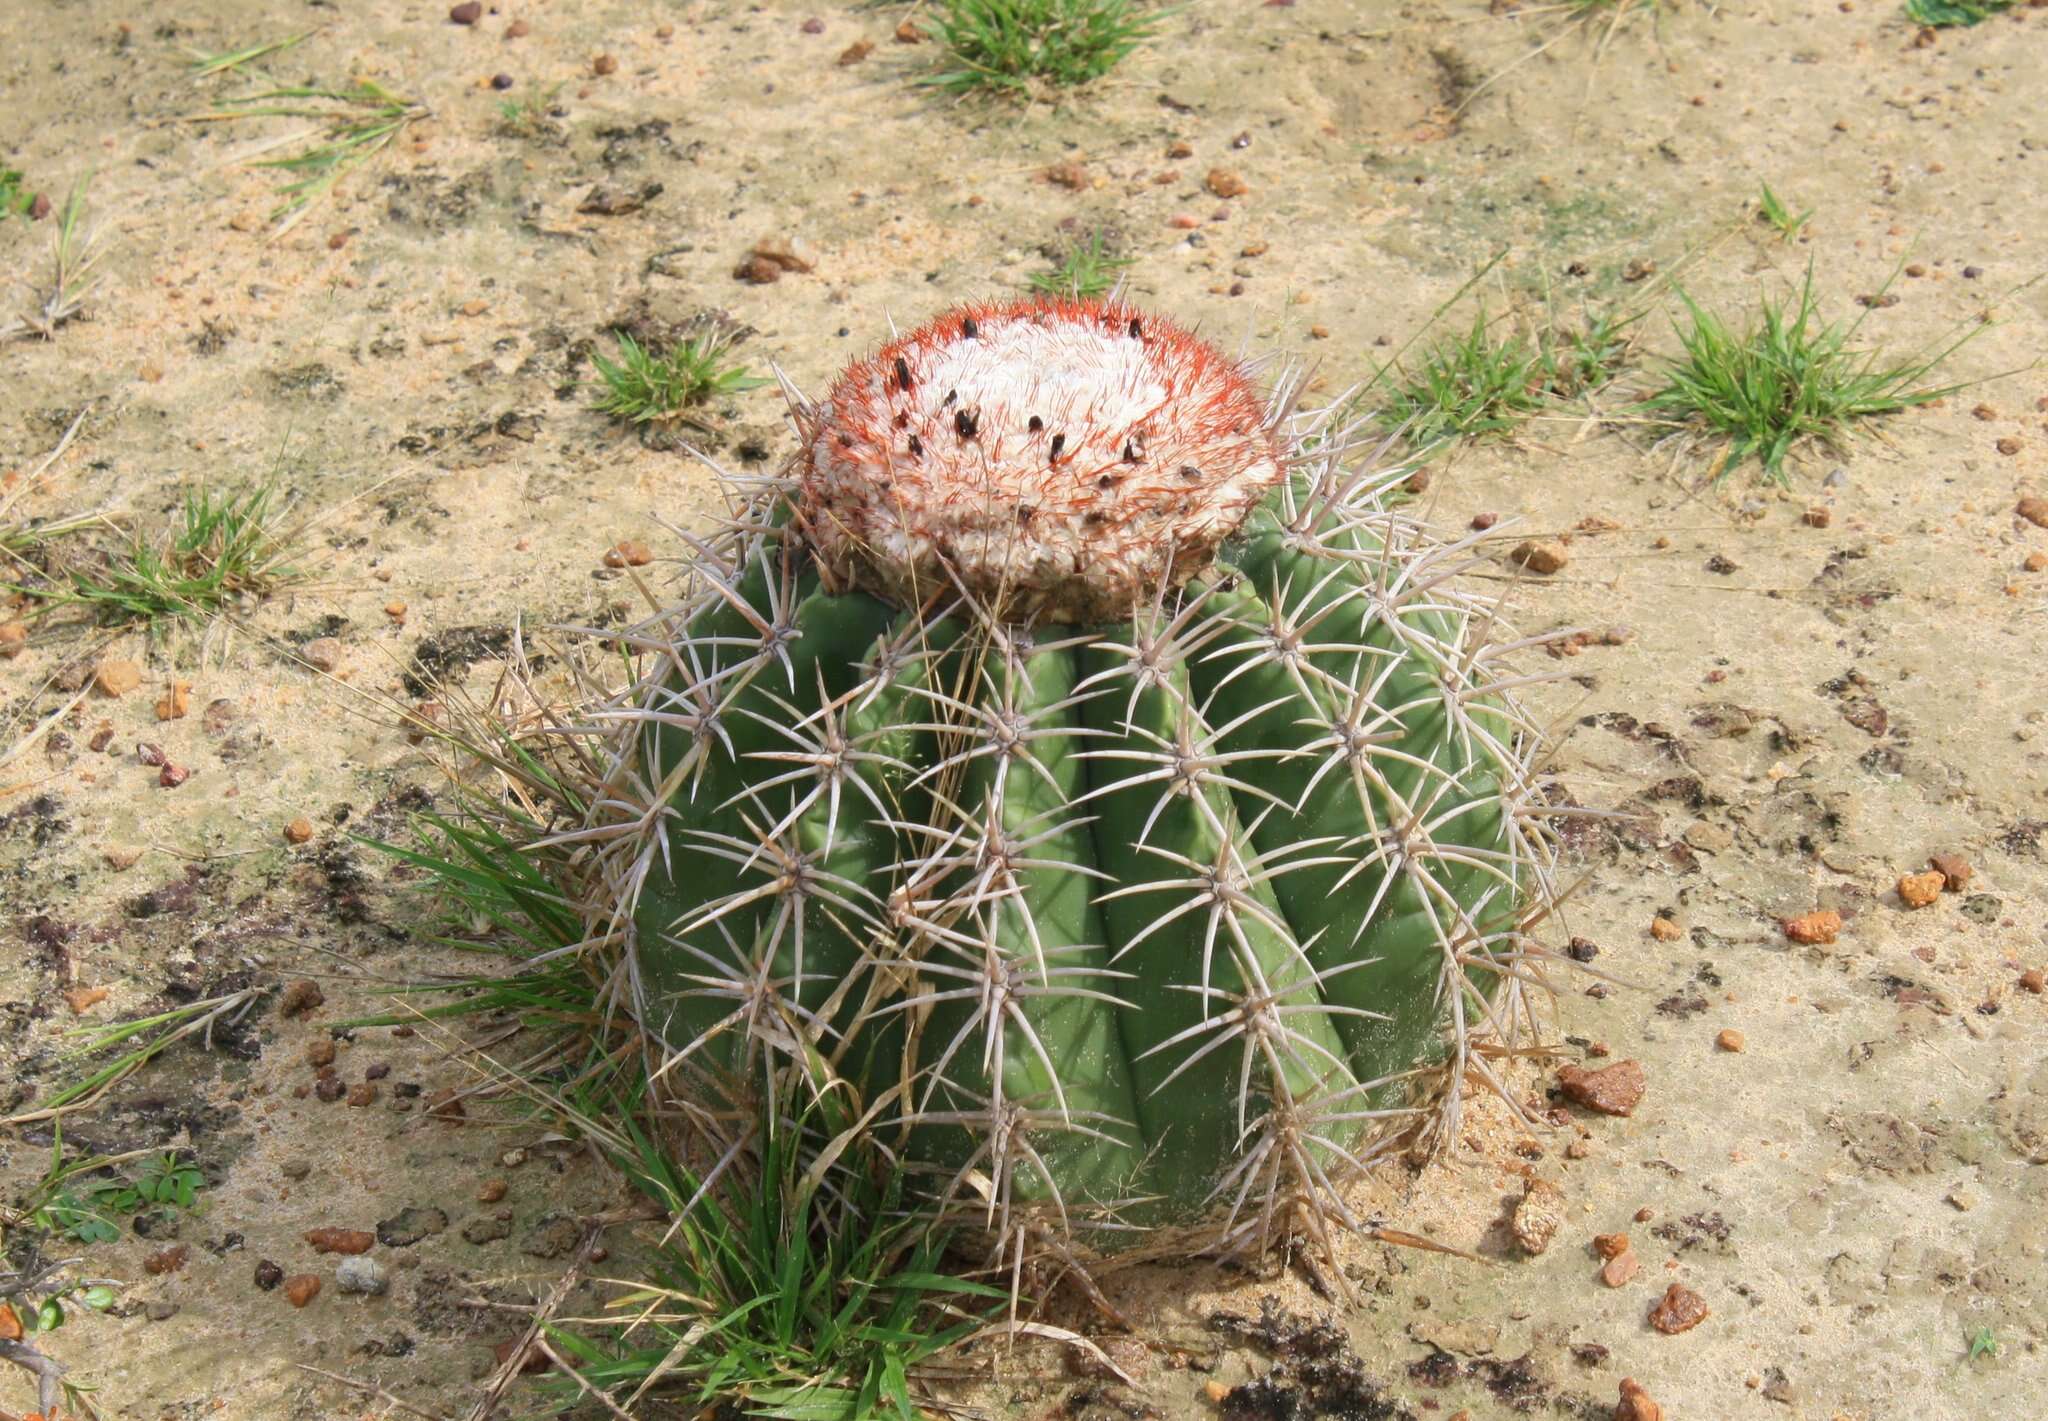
(1800,715)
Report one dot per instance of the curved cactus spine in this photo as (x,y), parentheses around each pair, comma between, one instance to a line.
(1113,925)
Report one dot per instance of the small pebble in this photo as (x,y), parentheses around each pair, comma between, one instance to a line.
(300,997)
(1635,1404)
(1225,182)
(2034,510)
(171,776)
(1664,930)
(361,1275)
(629,553)
(1679,1310)
(1538,1216)
(83,999)
(1482,521)
(296,1168)
(1620,1270)
(160,1310)
(518,29)
(502,82)
(1817,517)
(395,611)
(492,1191)
(175,702)
(299,830)
(320,1052)
(363,1094)
(1540,557)
(1813,928)
(813,26)
(604,64)
(116,678)
(340,1240)
(1611,1245)
(467,13)
(1917,890)
(854,53)
(302,1288)
(2033,980)
(13,640)
(1612,1090)
(1729,1039)
(268,1275)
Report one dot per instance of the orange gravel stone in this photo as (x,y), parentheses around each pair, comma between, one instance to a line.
(1612,1090)
(1679,1310)
(341,1240)
(1819,927)
(1917,890)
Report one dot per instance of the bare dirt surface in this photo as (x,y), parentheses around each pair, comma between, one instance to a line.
(1794,716)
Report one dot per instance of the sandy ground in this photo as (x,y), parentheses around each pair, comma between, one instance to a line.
(1800,714)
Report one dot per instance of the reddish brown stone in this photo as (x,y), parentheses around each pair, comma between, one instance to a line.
(302,1288)
(341,1240)
(1679,1310)
(1635,1404)
(1818,927)
(1611,1090)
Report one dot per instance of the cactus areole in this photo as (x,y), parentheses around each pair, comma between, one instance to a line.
(1077,762)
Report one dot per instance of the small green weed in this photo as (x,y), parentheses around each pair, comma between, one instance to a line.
(224,547)
(356,124)
(1787,378)
(15,201)
(647,387)
(1983,1343)
(531,116)
(1467,387)
(1774,212)
(90,1210)
(1480,383)
(1942,14)
(1018,47)
(1088,270)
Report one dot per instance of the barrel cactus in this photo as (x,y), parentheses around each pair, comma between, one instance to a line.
(1076,764)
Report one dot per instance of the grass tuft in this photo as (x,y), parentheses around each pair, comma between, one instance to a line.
(646,386)
(223,548)
(1085,271)
(355,124)
(1774,212)
(529,117)
(1017,47)
(1787,378)
(1482,383)
(779,1293)
(76,251)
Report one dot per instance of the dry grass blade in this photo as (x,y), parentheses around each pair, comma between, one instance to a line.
(355,124)
(180,1024)
(76,251)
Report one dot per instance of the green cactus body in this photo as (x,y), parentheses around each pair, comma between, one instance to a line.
(1107,924)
